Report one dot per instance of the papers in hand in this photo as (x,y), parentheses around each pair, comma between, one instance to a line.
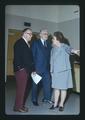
(36,78)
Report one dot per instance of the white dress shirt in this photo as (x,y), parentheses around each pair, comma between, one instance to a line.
(42,41)
(26,42)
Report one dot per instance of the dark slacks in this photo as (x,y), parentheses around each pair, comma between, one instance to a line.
(46,84)
(22,85)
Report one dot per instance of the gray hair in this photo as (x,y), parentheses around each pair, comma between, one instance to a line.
(42,30)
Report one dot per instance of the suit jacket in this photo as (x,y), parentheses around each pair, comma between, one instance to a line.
(23,57)
(60,58)
(41,56)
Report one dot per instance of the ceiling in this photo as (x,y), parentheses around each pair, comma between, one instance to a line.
(53,13)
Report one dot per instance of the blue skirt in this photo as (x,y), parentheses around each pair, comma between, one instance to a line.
(62,80)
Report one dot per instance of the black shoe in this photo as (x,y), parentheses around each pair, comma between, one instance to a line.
(61,108)
(52,107)
(35,103)
(47,101)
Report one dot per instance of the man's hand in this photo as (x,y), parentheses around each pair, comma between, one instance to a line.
(34,73)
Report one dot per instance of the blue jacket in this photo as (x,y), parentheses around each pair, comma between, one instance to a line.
(41,56)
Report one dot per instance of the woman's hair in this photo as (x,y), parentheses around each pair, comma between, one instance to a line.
(60,37)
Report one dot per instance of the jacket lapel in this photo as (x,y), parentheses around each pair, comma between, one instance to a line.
(41,45)
(42,48)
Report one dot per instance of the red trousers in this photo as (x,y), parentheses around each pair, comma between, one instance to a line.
(22,85)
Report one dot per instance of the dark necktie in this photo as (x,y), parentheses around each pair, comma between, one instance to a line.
(45,44)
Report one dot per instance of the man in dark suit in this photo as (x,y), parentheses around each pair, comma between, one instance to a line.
(23,66)
(41,53)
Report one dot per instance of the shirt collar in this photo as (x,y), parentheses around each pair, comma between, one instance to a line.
(26,41)
(42,41)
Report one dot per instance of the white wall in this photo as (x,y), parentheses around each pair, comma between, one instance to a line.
(68,12)
(71,30)
(52,13)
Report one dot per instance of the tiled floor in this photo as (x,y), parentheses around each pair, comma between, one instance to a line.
(72,105)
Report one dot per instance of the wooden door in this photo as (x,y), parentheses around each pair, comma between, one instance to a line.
(12,37)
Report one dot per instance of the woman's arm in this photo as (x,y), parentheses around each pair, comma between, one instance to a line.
(70,50)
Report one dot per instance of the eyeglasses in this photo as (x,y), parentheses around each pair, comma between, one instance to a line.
(29,34)
(45,33)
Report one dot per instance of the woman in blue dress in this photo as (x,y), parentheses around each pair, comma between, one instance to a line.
(60,69)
